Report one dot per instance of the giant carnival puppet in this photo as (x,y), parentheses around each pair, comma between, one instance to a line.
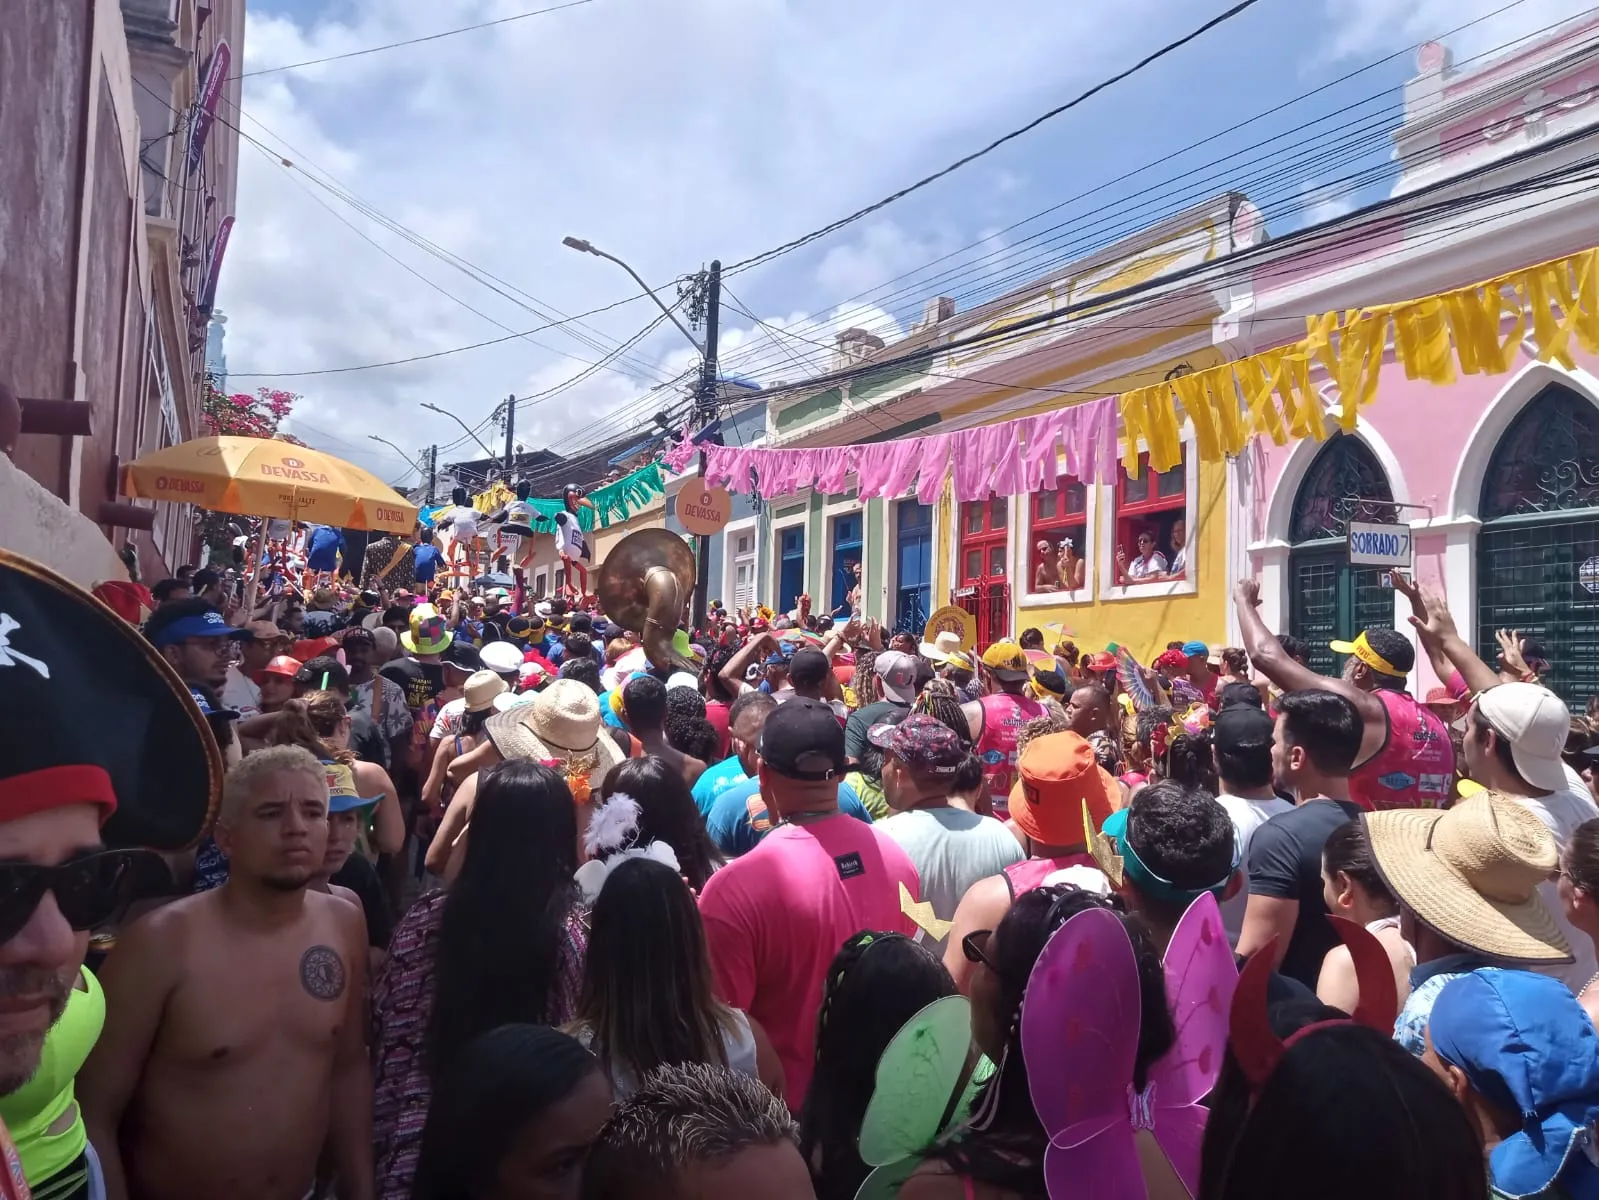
(570,543)
(515,523)
(457,530)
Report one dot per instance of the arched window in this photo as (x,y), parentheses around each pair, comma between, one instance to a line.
(1329,599)
(1538,549)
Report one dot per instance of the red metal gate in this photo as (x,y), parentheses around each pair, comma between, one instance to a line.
(988,601)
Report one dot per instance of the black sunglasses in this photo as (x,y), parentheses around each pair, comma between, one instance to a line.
(89,891)
(975,947)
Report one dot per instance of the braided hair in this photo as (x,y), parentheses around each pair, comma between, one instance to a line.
(875,984)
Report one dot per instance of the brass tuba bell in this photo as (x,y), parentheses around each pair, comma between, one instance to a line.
(644,585)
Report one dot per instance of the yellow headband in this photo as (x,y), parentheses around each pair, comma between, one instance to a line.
(1362,650)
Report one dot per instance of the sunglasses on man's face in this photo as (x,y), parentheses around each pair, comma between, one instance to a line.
(89,891)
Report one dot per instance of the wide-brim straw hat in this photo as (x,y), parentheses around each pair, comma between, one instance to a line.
(1472,873)
(562,725)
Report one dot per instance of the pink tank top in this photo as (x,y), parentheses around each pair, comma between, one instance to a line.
(1003,717)
(1416,765)
(1030,873)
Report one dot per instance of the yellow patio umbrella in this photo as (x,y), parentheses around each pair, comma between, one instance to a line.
(264,477)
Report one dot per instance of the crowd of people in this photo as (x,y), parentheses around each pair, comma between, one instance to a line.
(383,890)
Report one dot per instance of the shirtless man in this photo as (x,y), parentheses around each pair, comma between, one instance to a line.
(233,1049)
(644,711)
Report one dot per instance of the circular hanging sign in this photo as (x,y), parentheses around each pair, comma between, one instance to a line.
(1588,575)
(703,510)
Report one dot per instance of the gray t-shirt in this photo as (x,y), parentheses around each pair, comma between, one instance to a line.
(951,849)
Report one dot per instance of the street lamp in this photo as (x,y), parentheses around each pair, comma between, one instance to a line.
(397,450)
(463,425)
(586,247)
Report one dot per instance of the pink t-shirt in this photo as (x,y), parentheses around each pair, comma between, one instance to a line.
(776,917)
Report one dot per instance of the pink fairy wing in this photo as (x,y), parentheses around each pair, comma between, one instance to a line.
(1080,1023)
(1200,978)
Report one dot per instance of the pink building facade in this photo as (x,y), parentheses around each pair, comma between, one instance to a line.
(1497,476)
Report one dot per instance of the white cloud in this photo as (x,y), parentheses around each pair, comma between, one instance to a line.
(667,134)
(1325,202)
(1361,27)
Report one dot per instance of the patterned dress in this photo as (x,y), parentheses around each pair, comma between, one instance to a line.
(402,1005)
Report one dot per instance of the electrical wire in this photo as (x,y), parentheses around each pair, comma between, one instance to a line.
(431,37)
(833,227)
(1241,264)
(1370,134)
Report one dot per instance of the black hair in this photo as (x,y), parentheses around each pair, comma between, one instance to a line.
(503,932)
(694,736)
(1345,1113)
(1183,835)
(397,614)
(748,700)
(176,610)
(203,578)
(1148,721)
(582,623)
(1246,766)
(164,588)
(808,668)
(715,687)
(644,703)
(1348,849)
(1004,1146)
(684,701)
(876,983)
(924,674)
(1031,639)
(184,572)
(579,645)
(313,670)
(584,670)
(667,813)
(1326,725)
(1239,695)
(647,996)
(1294,648)
(501,1082)
(1188,760)
(1396,648)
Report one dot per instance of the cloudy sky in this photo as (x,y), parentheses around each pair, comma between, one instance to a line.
(432,184)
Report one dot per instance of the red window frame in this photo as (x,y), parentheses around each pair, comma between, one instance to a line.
(1156,500)
(987,539)
(1052,515)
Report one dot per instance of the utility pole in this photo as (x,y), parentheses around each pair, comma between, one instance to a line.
(433,472)
(705,406)
(510,439)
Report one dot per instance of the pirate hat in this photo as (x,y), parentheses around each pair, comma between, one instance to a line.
(95,715)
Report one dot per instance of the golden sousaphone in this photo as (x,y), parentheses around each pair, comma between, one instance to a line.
(645,584)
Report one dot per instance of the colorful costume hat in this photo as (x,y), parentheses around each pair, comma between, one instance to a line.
(95,715)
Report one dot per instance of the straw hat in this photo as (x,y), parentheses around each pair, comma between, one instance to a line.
(562,725)
(481,689)
(1472,873)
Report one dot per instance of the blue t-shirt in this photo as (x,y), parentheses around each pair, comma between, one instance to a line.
(322,548)
(716,779)
(426,561)
(736,830)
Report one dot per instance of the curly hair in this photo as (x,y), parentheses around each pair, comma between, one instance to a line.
(694,736)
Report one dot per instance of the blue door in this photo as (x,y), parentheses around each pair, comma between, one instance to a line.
(846,557)
(914,580)
(791,568)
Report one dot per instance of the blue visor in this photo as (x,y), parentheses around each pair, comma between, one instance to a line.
(208,624)
(339,804)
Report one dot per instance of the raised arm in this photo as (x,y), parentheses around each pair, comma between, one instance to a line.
(1406,586)
(733,673)
(1439,626)
(1272,661)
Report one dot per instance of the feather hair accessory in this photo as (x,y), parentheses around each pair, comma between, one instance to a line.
(613,826)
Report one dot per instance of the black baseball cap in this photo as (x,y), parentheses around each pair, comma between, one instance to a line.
(802,739)
(1242,727)
(808,667)
(463,656)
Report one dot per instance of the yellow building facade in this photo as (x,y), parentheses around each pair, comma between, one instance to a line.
(1128,316)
